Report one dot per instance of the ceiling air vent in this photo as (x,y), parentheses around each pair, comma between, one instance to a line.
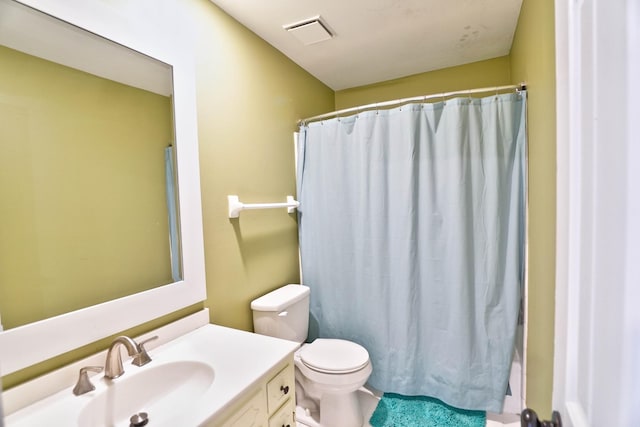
(309,31)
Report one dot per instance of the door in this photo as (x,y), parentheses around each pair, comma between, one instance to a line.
(596,382)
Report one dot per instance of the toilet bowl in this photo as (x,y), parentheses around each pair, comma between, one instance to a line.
(328,371)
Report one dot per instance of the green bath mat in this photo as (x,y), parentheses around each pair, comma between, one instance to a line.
(396,410)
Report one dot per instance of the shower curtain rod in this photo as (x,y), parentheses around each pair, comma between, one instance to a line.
(401,101)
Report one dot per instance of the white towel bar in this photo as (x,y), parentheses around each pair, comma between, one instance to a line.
(235,205)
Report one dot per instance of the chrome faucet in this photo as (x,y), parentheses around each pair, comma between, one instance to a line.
(113,365)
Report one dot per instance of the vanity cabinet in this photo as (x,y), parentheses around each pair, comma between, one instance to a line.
(284,416)
(271,403)
(280,388)
(253,413)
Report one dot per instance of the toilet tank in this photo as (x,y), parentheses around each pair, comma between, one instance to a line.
(283,313)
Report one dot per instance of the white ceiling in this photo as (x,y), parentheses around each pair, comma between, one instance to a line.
(378,40)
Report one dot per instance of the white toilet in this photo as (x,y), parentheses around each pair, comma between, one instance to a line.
(328,371)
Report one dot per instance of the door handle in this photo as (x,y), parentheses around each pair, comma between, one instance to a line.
(529,418)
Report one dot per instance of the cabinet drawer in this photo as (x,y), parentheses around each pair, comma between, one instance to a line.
(251,414)
(280,388)
(284,416)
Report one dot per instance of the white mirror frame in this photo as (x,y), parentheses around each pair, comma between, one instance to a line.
(168,42)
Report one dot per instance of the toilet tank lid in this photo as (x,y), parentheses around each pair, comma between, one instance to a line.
(281,298)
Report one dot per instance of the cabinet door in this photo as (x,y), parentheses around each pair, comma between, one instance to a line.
(251,414)
(280,388)
(284,416)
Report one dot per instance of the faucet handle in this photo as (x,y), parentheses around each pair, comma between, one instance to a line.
(142,358)
(84,384)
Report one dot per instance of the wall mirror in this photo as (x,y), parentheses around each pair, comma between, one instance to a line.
(101,221)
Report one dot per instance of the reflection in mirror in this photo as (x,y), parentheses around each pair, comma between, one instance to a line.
(51,38)
(87,174)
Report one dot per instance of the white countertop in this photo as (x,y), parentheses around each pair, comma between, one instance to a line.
(240,360)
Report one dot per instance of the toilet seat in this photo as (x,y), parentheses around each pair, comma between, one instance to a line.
(334,356)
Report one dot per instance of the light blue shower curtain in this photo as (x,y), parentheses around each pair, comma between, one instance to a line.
(411,227)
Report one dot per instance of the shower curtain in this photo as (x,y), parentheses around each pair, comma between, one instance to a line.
(411,227)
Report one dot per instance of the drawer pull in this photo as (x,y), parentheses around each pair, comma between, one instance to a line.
(288,425)
(284,390)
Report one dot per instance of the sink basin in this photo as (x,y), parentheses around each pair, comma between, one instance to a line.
(161,391)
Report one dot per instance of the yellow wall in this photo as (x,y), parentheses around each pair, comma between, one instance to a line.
(250,97)
(82,184)
(533,60)
(492,72)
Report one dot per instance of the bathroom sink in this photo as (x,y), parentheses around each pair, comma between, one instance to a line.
(193,380)
(162,392)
